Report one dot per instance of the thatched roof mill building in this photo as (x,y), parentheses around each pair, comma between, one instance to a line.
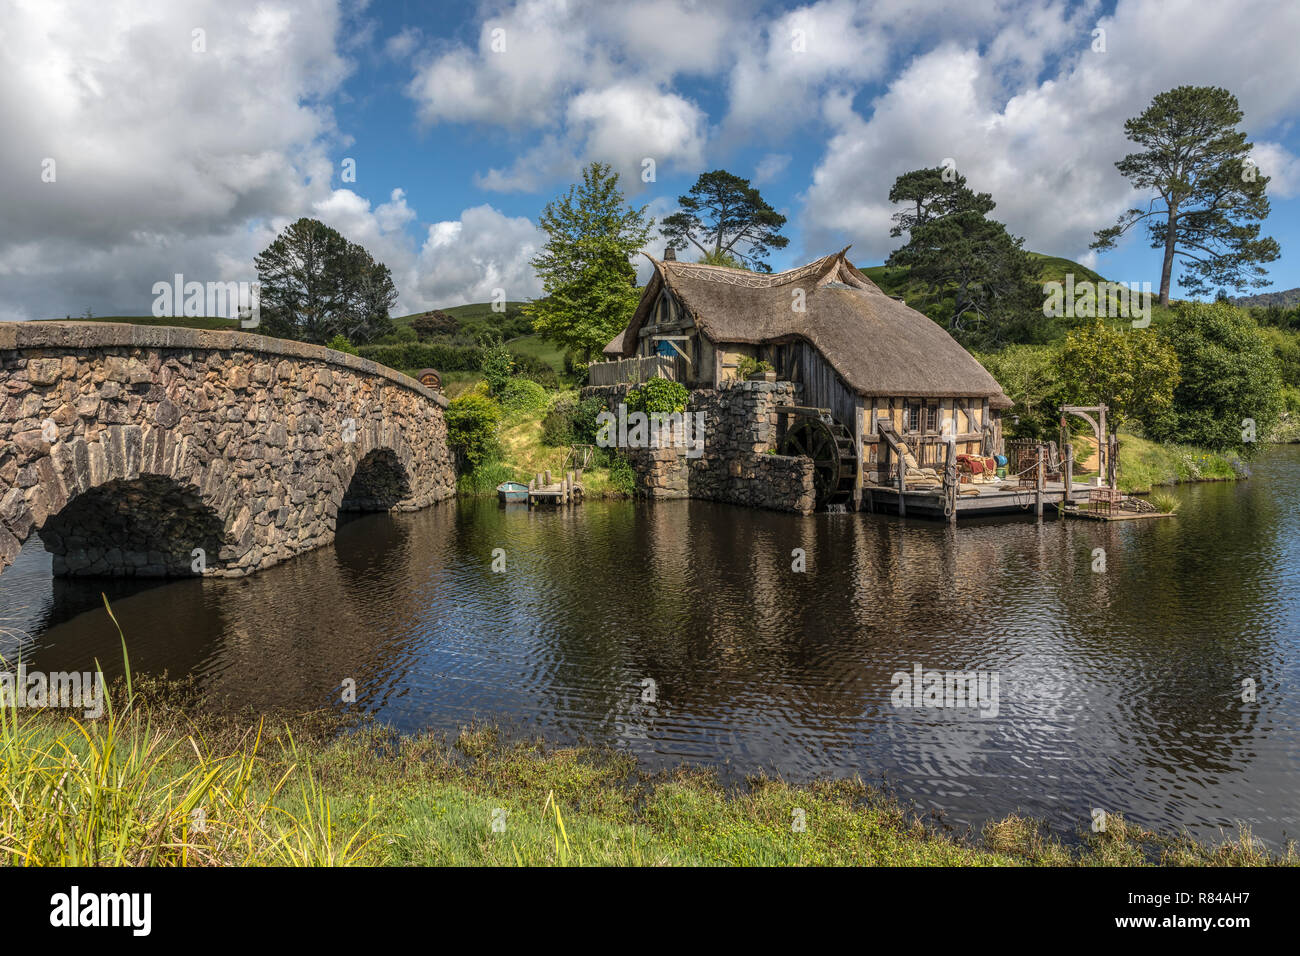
(880,371)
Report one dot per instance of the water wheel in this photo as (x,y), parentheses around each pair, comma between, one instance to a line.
(830,446)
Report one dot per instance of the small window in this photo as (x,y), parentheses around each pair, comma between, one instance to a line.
(932,419)
(912,416)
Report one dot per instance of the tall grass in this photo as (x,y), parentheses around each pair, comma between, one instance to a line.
(123,791)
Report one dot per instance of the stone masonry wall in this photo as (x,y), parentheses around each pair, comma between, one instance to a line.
(128,447)
(740,431)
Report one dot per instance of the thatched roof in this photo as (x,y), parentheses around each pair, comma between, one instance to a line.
(879,346)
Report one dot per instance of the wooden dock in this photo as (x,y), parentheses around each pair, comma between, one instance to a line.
(994,498)
(1074,511)
(543,490)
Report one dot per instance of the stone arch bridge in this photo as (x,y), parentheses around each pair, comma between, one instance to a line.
(155,451)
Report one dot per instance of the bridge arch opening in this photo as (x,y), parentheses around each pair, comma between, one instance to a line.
(378,484)
(151,526)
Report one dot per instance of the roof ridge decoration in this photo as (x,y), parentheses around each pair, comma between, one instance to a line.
(826,265)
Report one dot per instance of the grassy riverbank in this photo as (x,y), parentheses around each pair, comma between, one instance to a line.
(165,781)
(1145,465)
(522,453)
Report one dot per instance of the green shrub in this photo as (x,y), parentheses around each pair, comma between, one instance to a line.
(496,363)
(572,422)
(521,394)
(472,421)
(531,367)
(658,395)
(433,323)
(748,365)
(557,424)
(1230,373)
(622,476)
(340,343)
(445,358)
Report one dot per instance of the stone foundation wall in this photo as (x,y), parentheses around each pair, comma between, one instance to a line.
(737,465)
(127,447)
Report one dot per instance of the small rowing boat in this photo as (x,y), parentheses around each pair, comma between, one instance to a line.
(512,491)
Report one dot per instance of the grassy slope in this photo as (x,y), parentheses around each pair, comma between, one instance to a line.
(1145,465)
(373,797)
(478,319)
(524,455)
(1051,269)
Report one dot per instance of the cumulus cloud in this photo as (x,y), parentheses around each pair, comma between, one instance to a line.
(1056,137)
(594,76)
(632,127)
(468,259)
(769,167)
(167,146)
(1281,166)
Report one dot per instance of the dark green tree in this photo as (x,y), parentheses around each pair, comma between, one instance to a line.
(316,285)
(1209,197)
(723,215)
(1229,385)
(932,194)
(434,323)
(586,265)
(963,258)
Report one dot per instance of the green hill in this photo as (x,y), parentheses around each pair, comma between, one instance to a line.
(1037,330)
(1051,269)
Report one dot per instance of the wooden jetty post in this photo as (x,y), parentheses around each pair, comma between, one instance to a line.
(1069,474)
(543,489)
(950,488)
(902,482)
(1038,485)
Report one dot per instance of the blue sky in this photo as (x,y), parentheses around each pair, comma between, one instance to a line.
(181,152)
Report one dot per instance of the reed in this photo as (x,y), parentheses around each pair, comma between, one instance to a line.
(122,791)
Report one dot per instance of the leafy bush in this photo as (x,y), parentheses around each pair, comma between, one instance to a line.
(577,373)
(622,476)
(521,394)
(1131,372)
(658,395)
(557,424)
(1032,377)
(1229,374)
(444,358)
(748,365)
(531,367)
(496,363)
(572,422)
(340,343)
(472,421)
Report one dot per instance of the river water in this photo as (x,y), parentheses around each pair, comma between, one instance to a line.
(681,632)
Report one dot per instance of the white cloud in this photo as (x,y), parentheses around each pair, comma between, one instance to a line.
(525,57)
(1281,166)
(403,43)
(769,167)
(1051,139)
(467,259)
(166,156)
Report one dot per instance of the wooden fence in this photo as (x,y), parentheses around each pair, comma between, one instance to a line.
(637,370)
